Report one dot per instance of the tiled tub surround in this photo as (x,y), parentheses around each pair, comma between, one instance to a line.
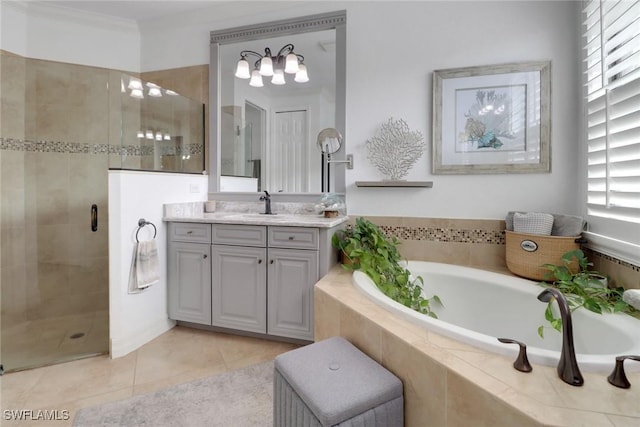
(448,383)
(478,243)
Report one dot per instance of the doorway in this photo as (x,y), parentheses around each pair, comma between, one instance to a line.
(289,152)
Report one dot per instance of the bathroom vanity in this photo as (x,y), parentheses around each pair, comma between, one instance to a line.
(249,273)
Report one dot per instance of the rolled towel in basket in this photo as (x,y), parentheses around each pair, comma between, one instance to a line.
(533,223)
(563,225)
(567,225)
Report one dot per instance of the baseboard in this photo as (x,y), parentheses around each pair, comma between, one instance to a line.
(137,338)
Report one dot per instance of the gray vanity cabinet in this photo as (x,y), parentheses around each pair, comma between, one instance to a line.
(189,272)
(292,275)
(239,279)
(252,278)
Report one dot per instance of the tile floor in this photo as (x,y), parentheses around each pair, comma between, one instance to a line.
(179,355)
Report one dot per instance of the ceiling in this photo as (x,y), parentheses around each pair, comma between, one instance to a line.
(138,10)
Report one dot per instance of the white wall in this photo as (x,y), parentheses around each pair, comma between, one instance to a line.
(41,31)
(135,319)
(393,48)
(426,37)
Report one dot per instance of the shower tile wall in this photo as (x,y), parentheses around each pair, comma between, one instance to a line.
(54,138)
(193,83)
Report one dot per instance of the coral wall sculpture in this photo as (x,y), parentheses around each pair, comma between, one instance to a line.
(395,149)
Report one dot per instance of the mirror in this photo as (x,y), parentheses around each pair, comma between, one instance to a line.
(329,141)
(264,136)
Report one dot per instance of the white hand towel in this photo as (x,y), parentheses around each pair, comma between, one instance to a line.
(144,266)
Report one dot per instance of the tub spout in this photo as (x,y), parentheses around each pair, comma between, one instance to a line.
(568,369)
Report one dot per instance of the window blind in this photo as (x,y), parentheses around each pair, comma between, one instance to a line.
(612,93)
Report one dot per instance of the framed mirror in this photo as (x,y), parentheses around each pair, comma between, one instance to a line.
(264,138)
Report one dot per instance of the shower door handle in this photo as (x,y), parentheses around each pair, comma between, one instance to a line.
(94,217)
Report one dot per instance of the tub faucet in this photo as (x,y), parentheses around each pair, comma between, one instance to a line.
(568,369)
(267,203)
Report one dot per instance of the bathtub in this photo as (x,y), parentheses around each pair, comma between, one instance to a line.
(480,306)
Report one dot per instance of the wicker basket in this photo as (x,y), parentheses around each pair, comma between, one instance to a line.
(526,253)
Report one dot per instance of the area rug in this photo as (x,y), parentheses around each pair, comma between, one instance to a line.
(240,398)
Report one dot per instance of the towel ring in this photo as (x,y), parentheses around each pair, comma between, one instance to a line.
(141,223)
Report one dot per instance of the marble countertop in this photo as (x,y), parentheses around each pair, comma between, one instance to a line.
(280,219)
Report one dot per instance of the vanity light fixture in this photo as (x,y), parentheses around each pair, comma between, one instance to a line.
(274,66)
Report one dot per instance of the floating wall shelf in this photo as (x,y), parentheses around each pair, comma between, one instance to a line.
(423,184)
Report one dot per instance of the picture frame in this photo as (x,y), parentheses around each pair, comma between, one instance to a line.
(492,119)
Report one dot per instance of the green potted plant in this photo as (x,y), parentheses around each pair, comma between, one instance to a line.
(365,247)
(582,287)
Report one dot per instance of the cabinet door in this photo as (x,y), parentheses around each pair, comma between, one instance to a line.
(239,294)
(292,275)
(189,283)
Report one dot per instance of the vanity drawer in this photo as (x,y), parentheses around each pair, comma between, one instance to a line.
(190,232)
(293,237)
(240,235)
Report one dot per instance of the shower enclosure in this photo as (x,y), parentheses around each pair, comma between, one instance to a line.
(62,126)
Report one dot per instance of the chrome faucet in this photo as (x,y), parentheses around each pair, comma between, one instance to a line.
(267,203)
(568,369)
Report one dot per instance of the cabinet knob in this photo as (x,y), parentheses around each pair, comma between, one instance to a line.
(271,262)
(291,237)
(190,232)
(204,256)
(259,261)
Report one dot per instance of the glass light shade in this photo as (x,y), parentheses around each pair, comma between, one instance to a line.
(135,84)
(291,65)
(167,137)
(155,92)
(158,136)
(256,79)
(242,69)
(170,92)
(278,77)
(140,134)
(137,93)
(301,75)
(266,66)
(149,134)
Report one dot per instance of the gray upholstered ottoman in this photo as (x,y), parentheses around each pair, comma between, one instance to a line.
(331,383)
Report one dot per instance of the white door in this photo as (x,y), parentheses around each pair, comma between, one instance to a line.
(289,151)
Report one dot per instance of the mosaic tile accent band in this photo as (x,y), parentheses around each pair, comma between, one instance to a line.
(445,234)
(612,259)
(44,146)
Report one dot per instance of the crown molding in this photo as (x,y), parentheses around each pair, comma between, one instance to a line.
(43,9)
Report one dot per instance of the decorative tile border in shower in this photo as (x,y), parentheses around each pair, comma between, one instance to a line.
(44,146)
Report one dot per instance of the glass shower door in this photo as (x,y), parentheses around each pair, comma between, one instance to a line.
(53,222)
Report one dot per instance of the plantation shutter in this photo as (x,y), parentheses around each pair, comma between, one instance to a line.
(612,90)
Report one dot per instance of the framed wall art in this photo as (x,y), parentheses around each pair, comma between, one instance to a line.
(492,119)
